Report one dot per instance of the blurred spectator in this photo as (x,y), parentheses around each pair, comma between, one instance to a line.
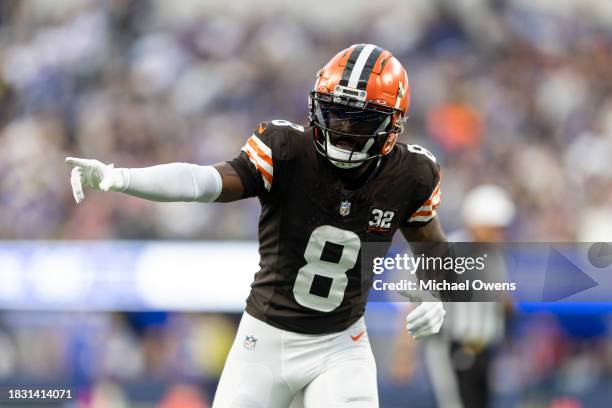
(508,92)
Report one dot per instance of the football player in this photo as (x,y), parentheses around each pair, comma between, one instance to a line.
(325,191)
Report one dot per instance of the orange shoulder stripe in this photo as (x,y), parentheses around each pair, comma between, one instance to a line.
(260,152)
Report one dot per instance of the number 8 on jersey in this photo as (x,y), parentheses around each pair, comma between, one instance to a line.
(331,274)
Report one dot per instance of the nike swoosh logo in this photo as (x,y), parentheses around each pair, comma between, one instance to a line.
(357,337)
(262,128)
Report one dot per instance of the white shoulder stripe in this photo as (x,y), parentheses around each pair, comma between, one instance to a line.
(261,156)
(257,160)
(422,218)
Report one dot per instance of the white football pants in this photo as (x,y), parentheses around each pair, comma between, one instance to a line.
(269,368)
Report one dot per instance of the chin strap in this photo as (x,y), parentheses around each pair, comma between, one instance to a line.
(331,152)
(339,154)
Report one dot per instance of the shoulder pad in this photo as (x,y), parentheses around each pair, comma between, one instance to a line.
(423,165)
(275,138)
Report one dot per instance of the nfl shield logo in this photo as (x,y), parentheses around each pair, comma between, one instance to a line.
(250,342)
(345,208)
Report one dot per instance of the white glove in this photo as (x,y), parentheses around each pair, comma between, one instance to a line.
(426,319)
(93,174)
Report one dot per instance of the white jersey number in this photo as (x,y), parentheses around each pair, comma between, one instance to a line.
(414,148)
(381,219)
(336,271)
(281,122)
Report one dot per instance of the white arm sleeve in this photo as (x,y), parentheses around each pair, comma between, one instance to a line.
(172,182)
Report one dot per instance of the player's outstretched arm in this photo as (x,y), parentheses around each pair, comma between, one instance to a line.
(231,189)
(427,318)
(166,182)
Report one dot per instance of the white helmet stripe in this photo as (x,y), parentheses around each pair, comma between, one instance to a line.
(359,64)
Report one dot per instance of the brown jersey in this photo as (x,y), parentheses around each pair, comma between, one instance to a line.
(312,228)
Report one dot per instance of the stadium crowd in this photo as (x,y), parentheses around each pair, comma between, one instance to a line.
(511,92)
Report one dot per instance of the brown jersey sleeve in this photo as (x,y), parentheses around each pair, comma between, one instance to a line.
(427,173)
(261,159)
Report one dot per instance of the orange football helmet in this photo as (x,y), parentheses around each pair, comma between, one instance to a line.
(358,105)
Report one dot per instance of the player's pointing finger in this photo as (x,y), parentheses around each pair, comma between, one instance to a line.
(74,161)
(77,187)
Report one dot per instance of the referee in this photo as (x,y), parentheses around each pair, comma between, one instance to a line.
(459,359)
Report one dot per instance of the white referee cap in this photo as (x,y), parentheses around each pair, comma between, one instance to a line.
(488,205)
